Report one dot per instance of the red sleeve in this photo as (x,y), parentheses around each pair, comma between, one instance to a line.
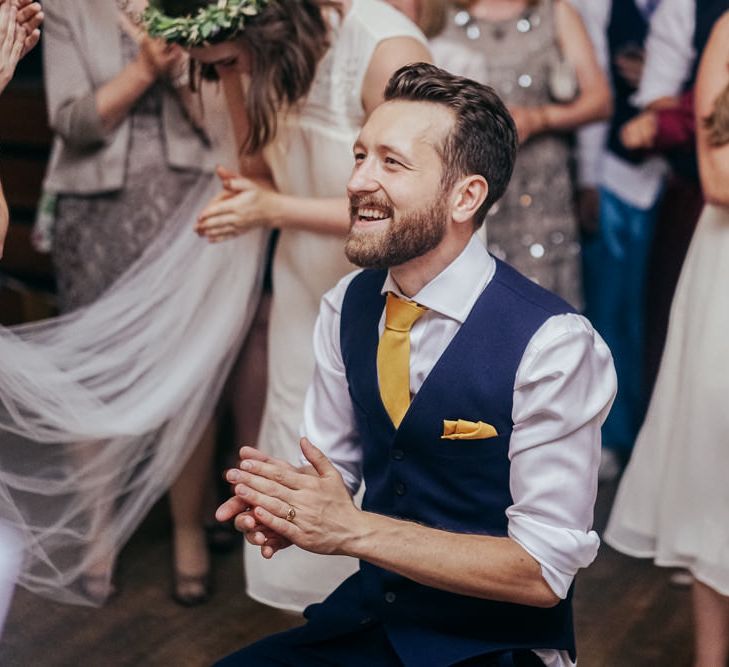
(676,127)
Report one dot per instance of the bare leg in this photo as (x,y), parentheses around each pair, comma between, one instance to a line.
(249,382)
(187,496)
(711,632)
(96,581)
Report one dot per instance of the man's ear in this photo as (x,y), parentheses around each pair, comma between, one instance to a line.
(468,195)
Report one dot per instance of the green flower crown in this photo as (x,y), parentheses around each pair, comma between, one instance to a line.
(213,23)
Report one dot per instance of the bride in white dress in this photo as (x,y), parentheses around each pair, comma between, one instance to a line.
(673,502)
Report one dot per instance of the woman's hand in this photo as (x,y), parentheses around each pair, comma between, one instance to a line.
(160,59)
(640,132)
(12,42)
(529,121)
(242,205)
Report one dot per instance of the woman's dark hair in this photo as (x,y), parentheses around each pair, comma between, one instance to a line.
(483,139)
(286,41)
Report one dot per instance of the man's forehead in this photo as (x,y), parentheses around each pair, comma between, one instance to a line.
(407,122)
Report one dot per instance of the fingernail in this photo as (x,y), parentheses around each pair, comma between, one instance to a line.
(246,465)
(234,476)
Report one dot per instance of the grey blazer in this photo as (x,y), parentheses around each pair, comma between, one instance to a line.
(82,51)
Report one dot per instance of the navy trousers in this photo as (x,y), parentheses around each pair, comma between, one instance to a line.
(367,647)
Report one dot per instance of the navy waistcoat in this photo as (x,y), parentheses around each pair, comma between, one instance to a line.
(455,485)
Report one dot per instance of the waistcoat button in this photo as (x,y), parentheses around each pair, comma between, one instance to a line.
(390,597)
(400,488)
(397,454)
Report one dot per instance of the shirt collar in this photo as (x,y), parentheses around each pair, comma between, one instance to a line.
(455,289)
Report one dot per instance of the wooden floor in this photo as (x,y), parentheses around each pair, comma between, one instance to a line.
(627,613)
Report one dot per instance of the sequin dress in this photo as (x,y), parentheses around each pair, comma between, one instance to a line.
(98,237)
(534,226)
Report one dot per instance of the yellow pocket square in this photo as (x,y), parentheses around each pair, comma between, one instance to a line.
(461,429)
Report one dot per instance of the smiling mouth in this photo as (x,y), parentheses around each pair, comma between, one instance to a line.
(367,215)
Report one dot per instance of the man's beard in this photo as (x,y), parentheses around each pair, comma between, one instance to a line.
(406,237)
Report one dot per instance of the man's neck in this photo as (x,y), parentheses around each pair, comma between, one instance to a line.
(412,276)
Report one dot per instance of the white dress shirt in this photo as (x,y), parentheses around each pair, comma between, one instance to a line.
(564,387)
(669,51)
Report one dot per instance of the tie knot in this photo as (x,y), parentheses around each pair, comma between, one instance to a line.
(400,315)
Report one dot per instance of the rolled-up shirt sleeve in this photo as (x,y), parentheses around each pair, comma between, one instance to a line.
(329,421)
(564,388)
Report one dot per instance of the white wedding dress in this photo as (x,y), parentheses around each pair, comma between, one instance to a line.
(673,501)
(100,408)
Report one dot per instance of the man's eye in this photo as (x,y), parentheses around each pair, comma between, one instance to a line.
(392,161)
(358,157)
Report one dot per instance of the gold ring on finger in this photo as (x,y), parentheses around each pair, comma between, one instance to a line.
(291,514)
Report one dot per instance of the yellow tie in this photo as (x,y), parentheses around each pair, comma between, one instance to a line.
(393,355)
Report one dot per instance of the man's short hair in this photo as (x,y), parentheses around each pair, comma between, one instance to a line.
(483,140)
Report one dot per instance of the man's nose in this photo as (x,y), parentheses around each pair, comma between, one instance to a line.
(362,179)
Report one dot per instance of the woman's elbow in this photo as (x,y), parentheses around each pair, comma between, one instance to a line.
(78,125)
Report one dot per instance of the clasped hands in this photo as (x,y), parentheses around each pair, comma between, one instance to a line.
(325,519)
(242,205)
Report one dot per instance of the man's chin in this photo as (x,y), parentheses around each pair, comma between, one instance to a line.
(363,253)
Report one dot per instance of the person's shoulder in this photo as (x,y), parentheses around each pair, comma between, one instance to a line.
(720,29)
(334,298)
(65,7)
(68,11)
(380,20)
(566,344)
(528,292)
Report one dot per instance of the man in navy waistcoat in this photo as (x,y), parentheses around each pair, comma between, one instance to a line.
(467,399)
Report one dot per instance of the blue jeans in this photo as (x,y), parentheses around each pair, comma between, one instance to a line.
(614,274)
